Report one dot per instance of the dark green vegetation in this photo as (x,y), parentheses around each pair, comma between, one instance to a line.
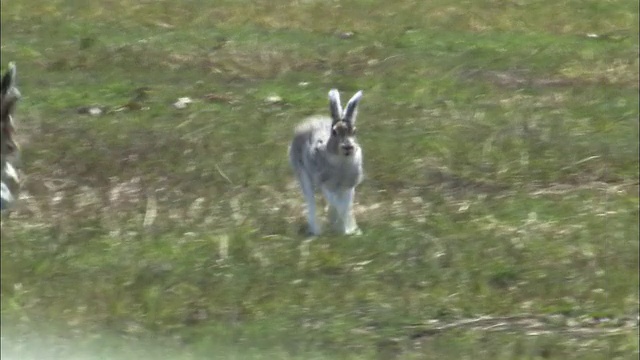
(501,151)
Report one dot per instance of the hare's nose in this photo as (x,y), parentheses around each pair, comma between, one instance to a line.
(347,147)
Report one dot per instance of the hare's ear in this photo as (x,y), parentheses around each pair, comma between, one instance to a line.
(334,105)
(352,108)
(8,79)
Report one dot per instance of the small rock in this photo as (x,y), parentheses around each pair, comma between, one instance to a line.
(345,34)
(91,110)
(273,99)
(95,111)
(182,103)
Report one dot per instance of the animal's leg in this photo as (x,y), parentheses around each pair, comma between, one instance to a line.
(342,202)
(334,212)
(309,197)
(349,220)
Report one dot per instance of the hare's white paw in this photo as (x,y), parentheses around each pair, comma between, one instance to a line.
(354,232)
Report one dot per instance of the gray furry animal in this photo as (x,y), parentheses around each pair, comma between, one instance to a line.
(324,153)
(9,150)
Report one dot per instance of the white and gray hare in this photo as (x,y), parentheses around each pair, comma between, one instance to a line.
(325,154)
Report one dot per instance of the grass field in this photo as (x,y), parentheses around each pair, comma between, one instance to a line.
(499,211)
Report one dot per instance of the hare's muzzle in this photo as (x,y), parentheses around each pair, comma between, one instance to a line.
(348,149)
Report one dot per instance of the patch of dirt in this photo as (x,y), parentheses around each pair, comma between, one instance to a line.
(458,185)
(561,189)
(447,180)
(517,79)
(531,324)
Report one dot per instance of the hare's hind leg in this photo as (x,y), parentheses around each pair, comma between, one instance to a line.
(308,191)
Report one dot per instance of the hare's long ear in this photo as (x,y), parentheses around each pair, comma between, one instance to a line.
(352,108)
(334,105)
(8,79)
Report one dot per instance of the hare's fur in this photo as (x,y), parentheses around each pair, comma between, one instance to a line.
(324,153)
(9,150)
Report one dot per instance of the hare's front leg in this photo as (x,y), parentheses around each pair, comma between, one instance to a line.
(349,220)
(341,203)
(310,199)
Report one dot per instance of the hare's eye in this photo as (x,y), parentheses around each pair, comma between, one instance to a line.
(334,132)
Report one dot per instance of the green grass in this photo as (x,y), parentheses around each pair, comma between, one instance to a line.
(501,153)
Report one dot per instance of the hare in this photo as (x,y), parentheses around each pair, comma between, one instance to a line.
(9,96)
(324,153)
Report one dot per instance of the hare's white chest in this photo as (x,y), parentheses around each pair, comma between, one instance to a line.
(341,173)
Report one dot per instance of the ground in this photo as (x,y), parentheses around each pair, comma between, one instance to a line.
(499,210)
